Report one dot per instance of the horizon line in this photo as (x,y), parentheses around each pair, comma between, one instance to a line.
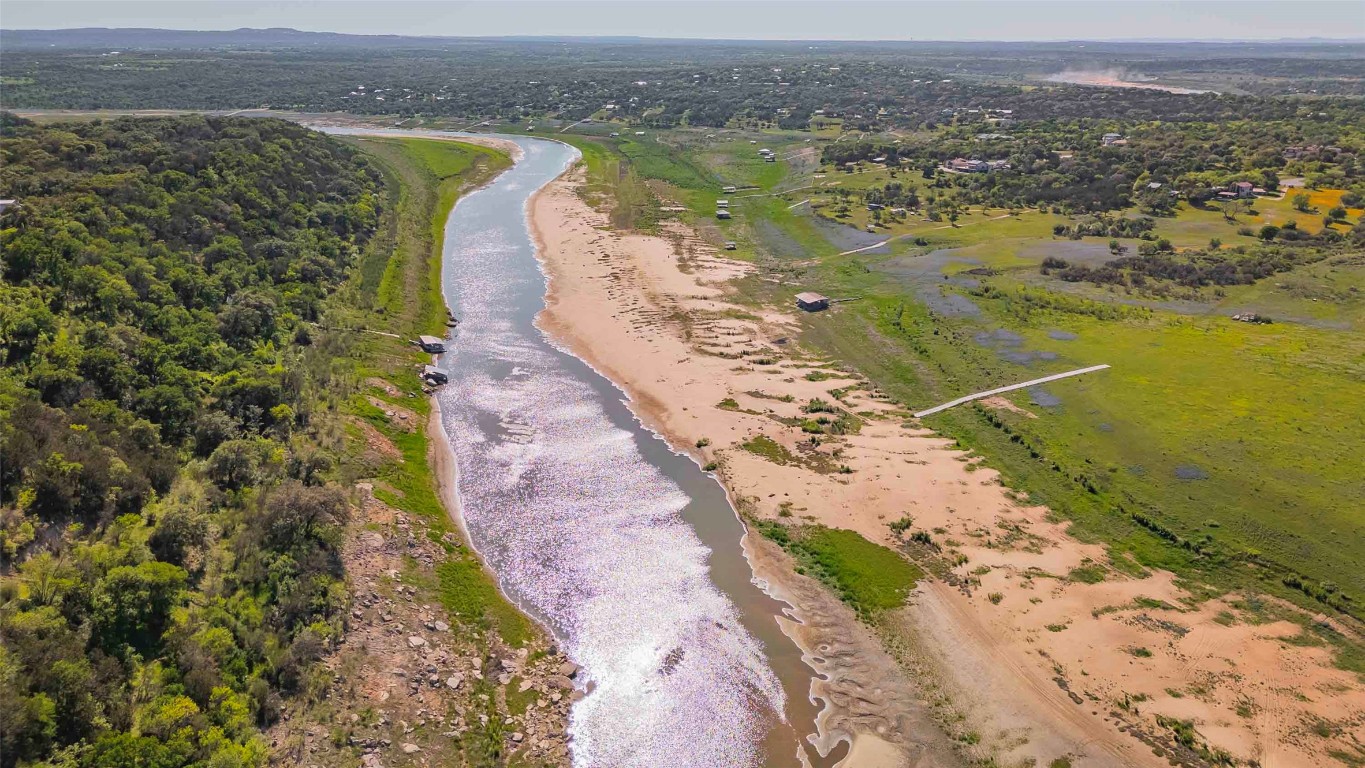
(651,38)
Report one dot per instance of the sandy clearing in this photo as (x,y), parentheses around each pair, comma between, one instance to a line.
(1040,665)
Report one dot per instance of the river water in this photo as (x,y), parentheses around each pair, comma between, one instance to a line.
(626,550)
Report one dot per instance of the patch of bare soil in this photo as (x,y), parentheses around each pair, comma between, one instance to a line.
(383,386)
(408,686)
(398,416)
(1001,403)
(377,445)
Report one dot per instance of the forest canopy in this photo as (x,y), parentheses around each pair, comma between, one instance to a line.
(168,530)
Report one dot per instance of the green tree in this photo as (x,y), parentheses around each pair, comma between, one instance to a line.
(132,605)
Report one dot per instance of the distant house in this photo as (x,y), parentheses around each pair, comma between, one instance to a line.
(433,375)
(769,158)
(875,206)
(1243,189)
(1109,139)
(431,344)
(722,214)
(812,302)
(730,245)
(728,190)
(5,205)
(722,203)
(964,165)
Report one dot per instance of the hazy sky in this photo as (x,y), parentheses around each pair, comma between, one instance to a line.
(742,19)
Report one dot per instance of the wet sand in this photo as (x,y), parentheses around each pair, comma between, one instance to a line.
(1030,664)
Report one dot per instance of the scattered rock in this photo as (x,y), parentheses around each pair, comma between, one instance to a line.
(410,748)
(416,642)
(559,681)
(568,669)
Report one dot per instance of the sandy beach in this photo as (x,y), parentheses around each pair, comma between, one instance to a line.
(1015,660)
(1112,79)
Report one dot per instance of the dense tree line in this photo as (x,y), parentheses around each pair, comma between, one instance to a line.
(661,84)
(1158,265)
(1066,164)
(169,529)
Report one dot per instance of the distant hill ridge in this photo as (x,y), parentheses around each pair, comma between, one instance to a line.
(140,38)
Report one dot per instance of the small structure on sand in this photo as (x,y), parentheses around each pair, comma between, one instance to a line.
(431,344)
(812,302)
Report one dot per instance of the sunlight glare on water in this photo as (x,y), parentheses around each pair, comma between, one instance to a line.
(580,527)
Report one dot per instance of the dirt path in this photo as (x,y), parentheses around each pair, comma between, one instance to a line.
(1010,388)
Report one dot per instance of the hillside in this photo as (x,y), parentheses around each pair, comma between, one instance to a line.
(189,556)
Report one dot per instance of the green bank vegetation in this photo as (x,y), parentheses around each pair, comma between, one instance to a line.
(868,577)
(427,177)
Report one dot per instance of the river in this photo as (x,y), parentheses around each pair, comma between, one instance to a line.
(627,551)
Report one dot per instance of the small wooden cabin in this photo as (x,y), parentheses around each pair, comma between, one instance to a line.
(812,302)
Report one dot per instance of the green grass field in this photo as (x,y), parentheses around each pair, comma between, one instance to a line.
(868,577)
